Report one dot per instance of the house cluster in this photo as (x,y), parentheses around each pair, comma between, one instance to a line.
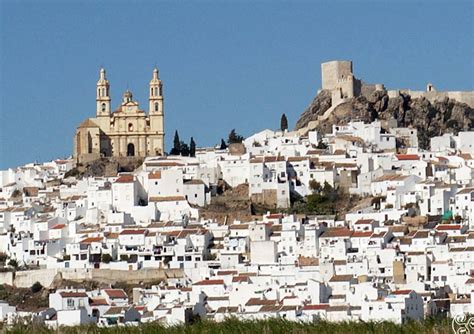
(405,251)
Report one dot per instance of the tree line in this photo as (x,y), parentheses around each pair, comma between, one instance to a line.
(183,149)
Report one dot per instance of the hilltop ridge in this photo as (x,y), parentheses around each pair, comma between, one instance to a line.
(344,98)
(429,118)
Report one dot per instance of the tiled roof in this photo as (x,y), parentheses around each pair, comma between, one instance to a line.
(401,292)
(116,293)
(341,278)
(58,227)
(448,227)
(210,282)
(127,178)
(311,307)
(129,232)
(167,198)
(258,301)
(88,123)
(91,240)
(154,175)
(465,191)
(403,157)
(72,294)
(336,233)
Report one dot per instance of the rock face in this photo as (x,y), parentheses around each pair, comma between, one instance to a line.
(320,104)
(429,118)
(107,166)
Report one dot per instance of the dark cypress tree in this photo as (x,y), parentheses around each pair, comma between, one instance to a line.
(283,123)
(184,149)
(234,137)
(223,145)
(176,145)
(192,148)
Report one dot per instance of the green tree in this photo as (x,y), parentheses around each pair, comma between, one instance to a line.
(283,123)
(176,150)
(321,145)
(184,149)
(36,287)
(106,258)
(328,190)
(192,148)
(234,138)
(315,186)
(223,145)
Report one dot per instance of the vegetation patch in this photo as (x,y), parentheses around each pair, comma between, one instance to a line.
(271,326)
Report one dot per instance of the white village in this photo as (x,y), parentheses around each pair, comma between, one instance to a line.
(401,249)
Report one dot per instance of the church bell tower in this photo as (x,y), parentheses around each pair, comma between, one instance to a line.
(103,95)
(156,95)
(156,115)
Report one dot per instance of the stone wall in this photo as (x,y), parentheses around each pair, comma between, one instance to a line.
(6,278)
(25,279)
(463,97)
(266,197)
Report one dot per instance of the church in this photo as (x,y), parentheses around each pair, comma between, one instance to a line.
(127,131)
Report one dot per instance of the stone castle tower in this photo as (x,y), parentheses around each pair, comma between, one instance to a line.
(128,131)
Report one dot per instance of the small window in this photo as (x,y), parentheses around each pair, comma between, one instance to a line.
(130,127)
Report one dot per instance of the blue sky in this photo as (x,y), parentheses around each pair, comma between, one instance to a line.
(224,64)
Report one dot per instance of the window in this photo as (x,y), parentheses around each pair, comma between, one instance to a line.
(103,107)
(156,106)
(130,127)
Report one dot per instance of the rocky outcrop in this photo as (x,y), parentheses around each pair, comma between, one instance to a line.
(429,118)
(318,106)
(107,166)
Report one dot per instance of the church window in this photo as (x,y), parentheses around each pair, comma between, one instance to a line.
(89,143)
(103,106)
(130,150)
(156,106)
(130,127)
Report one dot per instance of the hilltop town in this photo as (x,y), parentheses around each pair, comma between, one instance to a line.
(352,220)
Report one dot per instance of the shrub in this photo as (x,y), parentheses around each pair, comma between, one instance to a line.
(106,258)
(3,257)
(13,263)
(37,287)
(16,193)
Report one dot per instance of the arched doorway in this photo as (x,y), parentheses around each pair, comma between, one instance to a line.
(130,150)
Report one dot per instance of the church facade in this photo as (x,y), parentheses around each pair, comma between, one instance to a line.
(127,131)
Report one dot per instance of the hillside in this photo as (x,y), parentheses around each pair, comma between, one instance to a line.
(430,119)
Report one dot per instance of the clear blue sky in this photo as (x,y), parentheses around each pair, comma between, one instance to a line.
(224,65)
